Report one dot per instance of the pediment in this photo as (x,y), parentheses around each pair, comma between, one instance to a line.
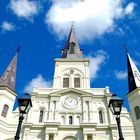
(71,91)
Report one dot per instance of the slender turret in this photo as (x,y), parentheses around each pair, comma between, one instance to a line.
(133,74)
(9,76)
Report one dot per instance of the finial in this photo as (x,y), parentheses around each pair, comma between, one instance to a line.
(125,48)
(72,24)
(18,48)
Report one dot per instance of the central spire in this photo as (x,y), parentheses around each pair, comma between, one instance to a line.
(72,49)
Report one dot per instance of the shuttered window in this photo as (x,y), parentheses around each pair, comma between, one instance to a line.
(41,116)
(100,117)
(137,112)
(5,111)
(77,82)
(71,47)
(70,120)
(65,82)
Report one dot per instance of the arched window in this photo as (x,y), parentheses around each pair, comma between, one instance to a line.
(63,119)
(78,119)
(70,120)
(41,116)
(137,112)
(71,47)
(5,111)
(66,82)
(101,117)
(77,82)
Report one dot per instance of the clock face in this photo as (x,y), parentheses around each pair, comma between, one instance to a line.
(70,102)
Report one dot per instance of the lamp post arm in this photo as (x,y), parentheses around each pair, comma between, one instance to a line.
(21,117)
(119,128)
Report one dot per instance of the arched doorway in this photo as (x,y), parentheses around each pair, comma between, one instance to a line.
(69,138)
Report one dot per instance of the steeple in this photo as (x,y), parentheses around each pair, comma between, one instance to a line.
(9,76)
(133,74)
(72,49)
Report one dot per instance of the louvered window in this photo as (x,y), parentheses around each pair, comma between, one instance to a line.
(41,116)
(65,82)
(137,112)
(71,47)
(77,82)
(5,111)
(70,120)
(100,117)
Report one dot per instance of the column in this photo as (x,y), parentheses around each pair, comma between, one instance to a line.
(94,137)
(71,81)
(47,137)
(85,119)
(26,133)
(51,110)
(90,112)
(85,136)
(55,137)
(56,110)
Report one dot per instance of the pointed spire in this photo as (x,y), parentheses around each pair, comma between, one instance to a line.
(72,49)
(133,73)
(9,76)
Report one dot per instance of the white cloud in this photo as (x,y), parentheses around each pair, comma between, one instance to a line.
(38,81)
(96,63)
(24,8)
(7,26)
(130,7)
(121,75)
(92,18)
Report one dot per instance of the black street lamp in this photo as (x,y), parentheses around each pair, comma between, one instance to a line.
(115,105)
(24,104)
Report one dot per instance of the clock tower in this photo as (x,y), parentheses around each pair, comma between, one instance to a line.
(71,70)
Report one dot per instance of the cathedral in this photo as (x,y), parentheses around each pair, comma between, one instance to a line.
(71,109)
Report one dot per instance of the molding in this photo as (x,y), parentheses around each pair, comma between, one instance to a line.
(8,89)
(72,60)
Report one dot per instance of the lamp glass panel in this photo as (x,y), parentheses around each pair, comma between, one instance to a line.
(28,107)
(23,105)
(112,108)
(117,109)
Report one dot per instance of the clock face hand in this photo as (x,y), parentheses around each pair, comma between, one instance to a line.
(70,102)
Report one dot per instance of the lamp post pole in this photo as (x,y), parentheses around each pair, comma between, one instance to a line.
(119,128)
(21,117)
(115,105)
(24,104)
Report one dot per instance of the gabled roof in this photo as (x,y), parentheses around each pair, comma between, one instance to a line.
(8,78)
(72,90)
(133,74)
(72,49)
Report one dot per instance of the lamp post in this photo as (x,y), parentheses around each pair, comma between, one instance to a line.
(24,104)
(115,105)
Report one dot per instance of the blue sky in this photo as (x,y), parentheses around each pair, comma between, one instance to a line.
(42,27)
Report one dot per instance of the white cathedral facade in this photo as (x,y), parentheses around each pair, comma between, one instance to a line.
(71,109)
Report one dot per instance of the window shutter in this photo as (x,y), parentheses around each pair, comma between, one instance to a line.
(77,82)
(5,111)
(137,112)
(65,82)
